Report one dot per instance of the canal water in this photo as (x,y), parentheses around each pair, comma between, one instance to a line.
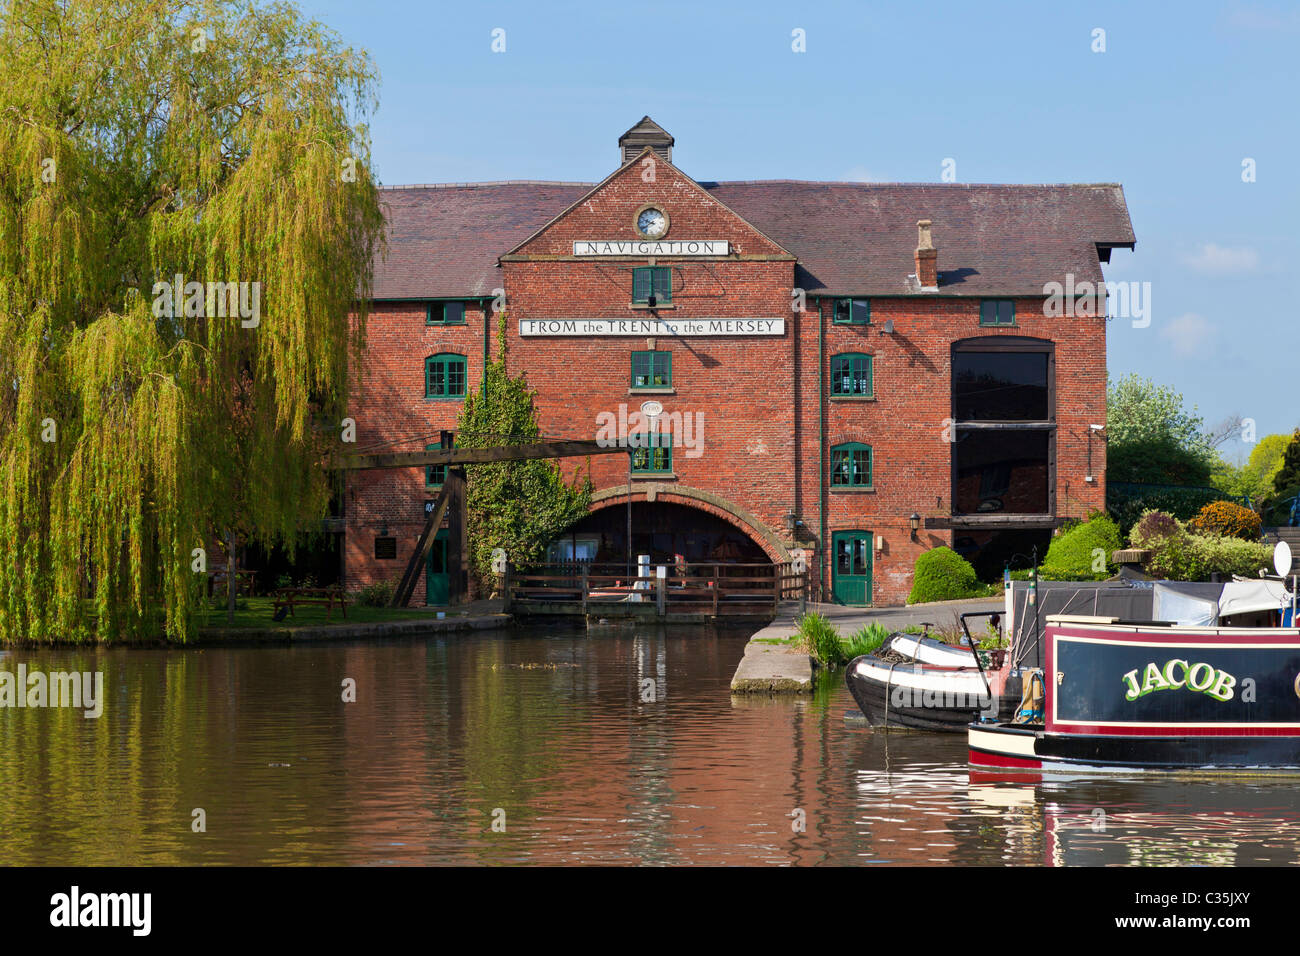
(552,747)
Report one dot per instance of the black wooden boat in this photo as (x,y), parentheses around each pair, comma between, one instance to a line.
(1139,696)
(924,684)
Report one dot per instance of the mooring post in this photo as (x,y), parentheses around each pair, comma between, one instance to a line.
(585,588)
(661,590)
(505,589)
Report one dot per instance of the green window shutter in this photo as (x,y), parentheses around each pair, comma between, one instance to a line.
(851,374)
(851,465)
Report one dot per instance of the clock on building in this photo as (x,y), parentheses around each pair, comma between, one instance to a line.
(651,222)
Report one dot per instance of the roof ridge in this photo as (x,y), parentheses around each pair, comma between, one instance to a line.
(494,182)
(852,182)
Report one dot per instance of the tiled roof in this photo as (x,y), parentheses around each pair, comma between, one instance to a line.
(850,238)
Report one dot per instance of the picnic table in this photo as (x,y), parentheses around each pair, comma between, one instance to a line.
(289,598)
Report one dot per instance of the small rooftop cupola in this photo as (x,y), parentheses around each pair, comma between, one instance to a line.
(643,134)
(927,257)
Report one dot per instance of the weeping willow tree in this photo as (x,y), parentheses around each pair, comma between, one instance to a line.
(186,224)
(516,505)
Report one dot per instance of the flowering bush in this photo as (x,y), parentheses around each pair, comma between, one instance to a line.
(1152,529)
(1188,556)
(1226,518)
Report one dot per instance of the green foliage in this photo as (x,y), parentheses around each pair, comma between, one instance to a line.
(1153,528)
(516,505)
(379,594)
(1288,473)
(1226,518)
(820,639)
(941,574)
(865,640)
(1151,438)
(1083,552)
(1254,479)
(1194,557)
(1126,503)
(129,438)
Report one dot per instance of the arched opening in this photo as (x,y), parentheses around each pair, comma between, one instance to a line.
(661,529)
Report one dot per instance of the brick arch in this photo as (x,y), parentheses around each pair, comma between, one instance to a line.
(851,435)
(758,531)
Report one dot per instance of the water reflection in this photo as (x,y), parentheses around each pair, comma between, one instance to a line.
(615,748)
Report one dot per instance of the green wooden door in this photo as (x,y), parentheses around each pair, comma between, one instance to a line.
(437,582)
(851,583)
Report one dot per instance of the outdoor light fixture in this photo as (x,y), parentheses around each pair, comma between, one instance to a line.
(383,530)
(887,328)
(652,302)
(791,521)
(914,522)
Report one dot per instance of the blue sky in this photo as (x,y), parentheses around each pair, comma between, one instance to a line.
(1012,91)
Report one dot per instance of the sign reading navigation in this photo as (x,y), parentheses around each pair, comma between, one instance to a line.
(650,326)
(651,247)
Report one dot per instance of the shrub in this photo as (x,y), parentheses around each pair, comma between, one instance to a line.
(1195,557)
(378,594)
(941,574)
(1153,528)
(819,638)
(866,639)
(1226,518)
(1278,509)
(1083,552)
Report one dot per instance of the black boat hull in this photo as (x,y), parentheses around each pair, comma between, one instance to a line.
(919,697)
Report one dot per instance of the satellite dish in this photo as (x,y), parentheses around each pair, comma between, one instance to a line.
(888,327)
(1282,559)
(651,409)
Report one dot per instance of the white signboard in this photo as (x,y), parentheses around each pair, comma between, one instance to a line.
(604,328)
(651,247)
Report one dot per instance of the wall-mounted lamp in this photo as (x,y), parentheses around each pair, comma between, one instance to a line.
(791,521)
(880,542)
(383,529)
(914,522)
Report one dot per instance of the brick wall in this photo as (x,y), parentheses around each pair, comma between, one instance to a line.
(758,397)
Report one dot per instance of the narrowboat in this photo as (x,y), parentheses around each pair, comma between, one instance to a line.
(1157,695)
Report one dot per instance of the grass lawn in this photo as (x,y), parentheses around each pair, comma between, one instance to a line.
(256,612)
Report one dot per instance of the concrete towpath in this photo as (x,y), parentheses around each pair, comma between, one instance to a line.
(771,666)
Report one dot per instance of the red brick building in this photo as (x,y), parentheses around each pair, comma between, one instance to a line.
(832,359)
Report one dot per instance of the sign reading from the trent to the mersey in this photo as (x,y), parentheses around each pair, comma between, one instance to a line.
(651,247)
(650,326)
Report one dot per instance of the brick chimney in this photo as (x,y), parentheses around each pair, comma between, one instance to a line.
(927,257)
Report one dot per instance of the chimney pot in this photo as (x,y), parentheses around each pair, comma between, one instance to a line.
(923,239)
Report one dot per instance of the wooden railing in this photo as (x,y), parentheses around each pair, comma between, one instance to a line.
(714,589)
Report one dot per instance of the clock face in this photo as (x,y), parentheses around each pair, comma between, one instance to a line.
(651,222)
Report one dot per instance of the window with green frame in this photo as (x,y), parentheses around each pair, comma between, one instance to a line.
(444,376)
(997,312)
(851,374)
(652,369)
(434,475)
(852,311)
(652,281)
(851,465)
(445,313)
(657,458)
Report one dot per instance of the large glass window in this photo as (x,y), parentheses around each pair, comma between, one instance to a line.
(1000,386)
(1002,471)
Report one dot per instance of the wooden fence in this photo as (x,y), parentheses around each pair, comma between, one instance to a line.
(707,589)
